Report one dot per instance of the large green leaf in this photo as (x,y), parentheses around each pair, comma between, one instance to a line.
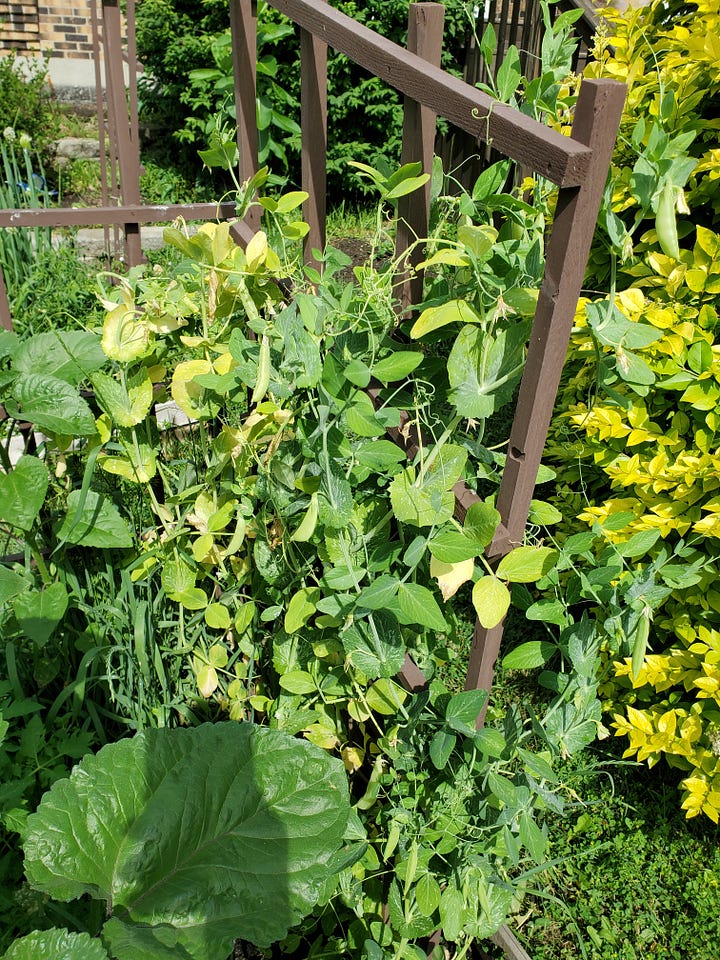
(375,646)
(483,369)
(38,612)
(193,837)
(22,492)
(96,522)
(126,406)
(51,404)
(56,945)
(69,355)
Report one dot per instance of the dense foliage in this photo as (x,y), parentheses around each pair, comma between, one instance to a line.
(638,429)
(189,82)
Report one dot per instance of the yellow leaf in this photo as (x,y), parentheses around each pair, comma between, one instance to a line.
(353,758)
(451,576)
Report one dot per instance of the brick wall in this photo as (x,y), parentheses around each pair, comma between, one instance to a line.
(58,28)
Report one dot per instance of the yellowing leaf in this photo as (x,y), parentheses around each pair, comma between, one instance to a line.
(207,680)
(353,758)
(187,394)
(451,576)
(452,311)
(256,251)
(124,338)
(491,599)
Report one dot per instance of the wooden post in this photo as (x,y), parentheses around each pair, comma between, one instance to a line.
(128,152)
(243,29)
(597,118)
(425,37)
(313,119)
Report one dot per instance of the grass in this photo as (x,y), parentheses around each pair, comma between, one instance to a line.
(637,879)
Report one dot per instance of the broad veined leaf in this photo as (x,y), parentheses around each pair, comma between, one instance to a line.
(529,655)
(397,366)
(452,546)
(481,521)
(69,355)
(375,645)
(11,584)
(441,747)
(94,523)
(38,612)
(418,506)
(125,337)
(127,407)
(139,464)
(385,697)
(491,599)
(463,709)
(418,605)
(335,500)
(56,944)
(271,812)
(301,607)
(494,904)
(379,593)
(22,492)
(178,582)
(483,369)
(526,564)
(452,311)
(52,405)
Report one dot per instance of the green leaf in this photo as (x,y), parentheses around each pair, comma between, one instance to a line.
(217,616)
(11,584)
(491,599)
(361,417)
(452,311)
(526,564)
(419,606)
(544,513)
(335,500)
(452,912)
(375,646)
(97,524)
(38,612)
(427,894)
(441,747)
(529,655)
(452,546)
(22,492)
(490,741)
(52,405)
(480,524)
(178,582)
(69,355)
(126,407)
(398,366)
(301,607)
(463,709)
(298,681)
(271,813)
(385,697)
(419,506)
(409,185)
(380,593)
(483,369)
(56,944)
(380,456)
(508,75)
(495,903)
(548,611)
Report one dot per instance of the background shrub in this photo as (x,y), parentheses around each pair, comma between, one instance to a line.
(365,116)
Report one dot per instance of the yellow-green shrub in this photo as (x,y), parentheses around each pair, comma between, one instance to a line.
(637,441)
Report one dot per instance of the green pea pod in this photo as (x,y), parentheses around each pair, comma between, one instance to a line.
(308,523)
(665,223)
(263,371)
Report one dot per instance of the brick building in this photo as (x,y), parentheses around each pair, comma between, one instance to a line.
(59,30)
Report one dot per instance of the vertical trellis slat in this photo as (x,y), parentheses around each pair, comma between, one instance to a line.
(313,114)
(425,37)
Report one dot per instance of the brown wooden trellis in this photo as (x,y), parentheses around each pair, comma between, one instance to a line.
(578,165)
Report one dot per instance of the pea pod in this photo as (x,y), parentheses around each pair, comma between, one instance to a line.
(642,634)
(665,223)
(263,371)
(308,523)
